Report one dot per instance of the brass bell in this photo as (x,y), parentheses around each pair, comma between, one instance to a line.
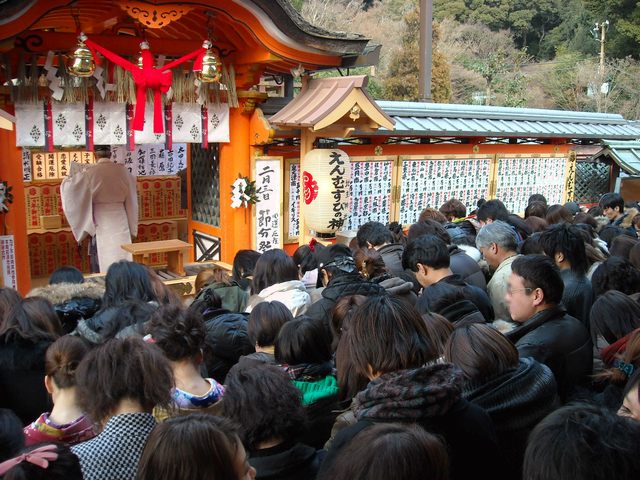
(210,68)
(81,62)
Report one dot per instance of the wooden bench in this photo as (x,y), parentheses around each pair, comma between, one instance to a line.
(173,248)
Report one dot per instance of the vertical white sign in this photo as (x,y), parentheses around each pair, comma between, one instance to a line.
(268,221)
(8,259)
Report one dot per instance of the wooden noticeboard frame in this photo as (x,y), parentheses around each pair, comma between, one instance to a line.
(275,201)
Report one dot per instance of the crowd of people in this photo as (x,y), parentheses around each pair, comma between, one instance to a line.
(480,345)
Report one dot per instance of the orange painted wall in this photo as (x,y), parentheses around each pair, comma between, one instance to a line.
(16,219)
(235,223)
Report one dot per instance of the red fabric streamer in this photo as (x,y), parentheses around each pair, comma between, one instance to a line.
(158,80)
(205,126)
(168,119)
(48,127)
(88,115)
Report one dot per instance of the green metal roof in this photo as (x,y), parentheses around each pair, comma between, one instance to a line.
(625,154)
(444,120)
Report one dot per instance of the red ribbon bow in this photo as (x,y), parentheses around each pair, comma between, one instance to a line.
(40,456)
(158,80)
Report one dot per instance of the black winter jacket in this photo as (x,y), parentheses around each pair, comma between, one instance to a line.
(22,378)
(559,341)
(289,461)
(577,297)
(392,256)
(225,342)
(449,288)
(462,264)
(338,287)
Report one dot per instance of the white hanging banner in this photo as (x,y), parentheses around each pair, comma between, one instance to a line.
(109,123)
(186,122)
(218,127)
(8,260)
(30,125)
(268,220)
(68,123)
(146,135)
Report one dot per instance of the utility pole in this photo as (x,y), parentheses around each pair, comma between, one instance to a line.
(426,46)
(601,29)
(600,33)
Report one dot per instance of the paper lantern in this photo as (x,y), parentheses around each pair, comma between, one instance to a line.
(326,173)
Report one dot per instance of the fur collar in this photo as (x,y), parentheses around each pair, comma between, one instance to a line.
(63,292)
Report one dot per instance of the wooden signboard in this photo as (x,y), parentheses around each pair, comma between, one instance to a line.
(267,226)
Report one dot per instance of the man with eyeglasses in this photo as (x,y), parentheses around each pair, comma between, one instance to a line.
(546,332)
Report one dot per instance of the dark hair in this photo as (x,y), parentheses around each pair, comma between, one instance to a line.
(123,369)
(453,208)
(274,266)
(621,246)
(428,250)
(492,210)
(386,335)
(428,227)
(369,262)
(341,316)
(252,387)
(243,265)
(634,380)
(62,359)
(375,233)
(196,446)
(615,273)
(536,209)
(8,298)
(127,281)
(391,450)
(537,197)
(539,271)
(609,232)
(558,214)
(397,232)
(178,333)
(163,294)
(567,240)
(305,257)
(11,434)
(582,217)
(265,321)
(438,330)
(65,467)
(32,319)
(595,211)
(536,224)
(634,255)
(531,245)
(481,352)
(585,442)
(128,313)
(613,315)
(349,380)
(611,200)
(66,274)
(303,340)
(432,214)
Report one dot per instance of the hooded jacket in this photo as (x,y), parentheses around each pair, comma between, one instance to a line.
(338,287)
(72,301)
(392,256)
(288,461)
(444,293)
(465,266)
(397,287)
(293,294)
(430,396)
(516,401)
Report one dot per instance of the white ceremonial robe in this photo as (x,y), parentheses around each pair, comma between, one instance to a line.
(102,201)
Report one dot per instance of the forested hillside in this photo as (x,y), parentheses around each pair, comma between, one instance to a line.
(535,53)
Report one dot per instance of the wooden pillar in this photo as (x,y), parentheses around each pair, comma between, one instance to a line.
(16,219)
(235,158)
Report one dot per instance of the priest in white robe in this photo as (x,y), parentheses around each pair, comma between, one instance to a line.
(102,201)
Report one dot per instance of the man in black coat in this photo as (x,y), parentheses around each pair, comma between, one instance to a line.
(546,332)
(339,275)
(428,257)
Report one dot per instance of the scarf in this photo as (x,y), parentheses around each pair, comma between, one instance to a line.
(409,395)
